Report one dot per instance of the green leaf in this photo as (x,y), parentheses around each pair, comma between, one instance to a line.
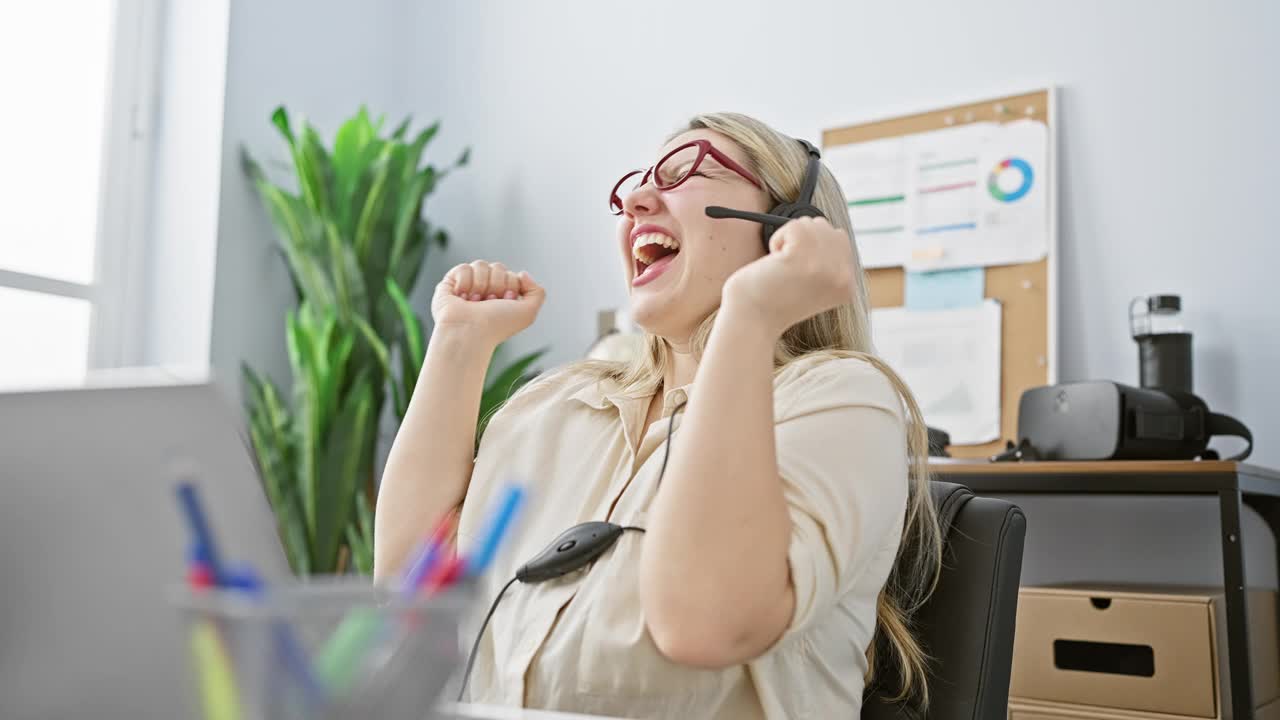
(364,514)
(350,138)
(498,389)
(360,537)
(504,386)
(371,213)
(352,298)
(312,165)
(327,373)
(348,146)
(413,155)
(464,158)
(269,451)
(340,354)
(411,350)
(292,341)
(410,324)
(346,456)
(285,211)
(409,212)
(311,421)
(375,343)
(318,326)
(358,551)
(382,355)
(300,231)
(402,128)
(365,170)
(320,333)
(280,118)
(376,271)
(251,167)
(270,436)
(405,271)
(373,203)
(294,534)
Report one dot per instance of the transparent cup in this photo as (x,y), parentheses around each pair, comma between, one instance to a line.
(327,649)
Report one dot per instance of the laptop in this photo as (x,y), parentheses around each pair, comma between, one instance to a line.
(92,541)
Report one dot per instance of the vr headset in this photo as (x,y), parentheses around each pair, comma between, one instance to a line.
(1102,420)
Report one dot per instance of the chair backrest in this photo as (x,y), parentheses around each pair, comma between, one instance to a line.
(967,625)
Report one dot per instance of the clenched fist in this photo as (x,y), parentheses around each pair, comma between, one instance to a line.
(487,300)
(809,269)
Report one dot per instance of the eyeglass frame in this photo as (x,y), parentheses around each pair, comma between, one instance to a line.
(705,148)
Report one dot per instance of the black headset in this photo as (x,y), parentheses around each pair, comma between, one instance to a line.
(785,212)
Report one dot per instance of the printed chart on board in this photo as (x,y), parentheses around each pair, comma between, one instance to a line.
(969,196)
(951,361)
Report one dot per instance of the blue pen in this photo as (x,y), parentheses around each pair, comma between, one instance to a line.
(196,520)
(425,559)
(499,522)
(293,655)
(197,555)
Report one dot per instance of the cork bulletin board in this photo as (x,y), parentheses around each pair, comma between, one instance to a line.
(1026,291)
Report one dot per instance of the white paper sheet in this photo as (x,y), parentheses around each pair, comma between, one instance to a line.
(942,195)
(1014,213)
(951,361)
(873,177)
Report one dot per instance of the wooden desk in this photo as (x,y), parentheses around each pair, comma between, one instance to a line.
(1235,484)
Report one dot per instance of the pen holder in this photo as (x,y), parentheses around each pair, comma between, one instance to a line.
(329,649)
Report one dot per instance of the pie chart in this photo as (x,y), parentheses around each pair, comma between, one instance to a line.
(1007,166)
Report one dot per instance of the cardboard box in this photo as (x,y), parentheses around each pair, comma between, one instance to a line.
(1027,710)
(1151,650)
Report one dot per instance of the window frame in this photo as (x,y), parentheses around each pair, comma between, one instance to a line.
(117,322)
(127,145)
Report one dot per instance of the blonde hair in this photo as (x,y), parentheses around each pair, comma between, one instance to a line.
(842,332)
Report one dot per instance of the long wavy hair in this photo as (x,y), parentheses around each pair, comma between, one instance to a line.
(842,332)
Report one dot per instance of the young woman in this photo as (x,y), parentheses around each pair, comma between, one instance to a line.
(789,537)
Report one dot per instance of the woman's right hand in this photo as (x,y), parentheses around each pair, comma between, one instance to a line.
(486,300)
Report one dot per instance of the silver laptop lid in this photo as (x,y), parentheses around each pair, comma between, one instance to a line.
(91,539)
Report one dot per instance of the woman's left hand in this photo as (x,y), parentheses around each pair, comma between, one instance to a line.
(809,269)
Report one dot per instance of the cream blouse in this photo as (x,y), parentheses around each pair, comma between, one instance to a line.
(579,643)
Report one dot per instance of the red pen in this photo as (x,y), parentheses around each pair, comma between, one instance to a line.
(444,575)
(431,553)
(200,576)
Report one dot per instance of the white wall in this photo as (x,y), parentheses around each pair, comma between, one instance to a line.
(1169,161)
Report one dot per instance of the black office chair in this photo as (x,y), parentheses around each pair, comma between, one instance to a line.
(967,625)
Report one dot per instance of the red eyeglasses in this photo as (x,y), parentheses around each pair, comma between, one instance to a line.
(674,168)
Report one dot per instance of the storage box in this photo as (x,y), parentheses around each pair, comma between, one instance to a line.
(1025,710)
(1152,650)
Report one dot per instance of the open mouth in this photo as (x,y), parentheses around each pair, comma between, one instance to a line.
(652,251)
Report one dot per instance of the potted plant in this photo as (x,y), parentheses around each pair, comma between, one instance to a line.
(354,239)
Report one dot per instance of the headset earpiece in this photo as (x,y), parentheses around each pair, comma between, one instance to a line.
(803,206)
(787,210)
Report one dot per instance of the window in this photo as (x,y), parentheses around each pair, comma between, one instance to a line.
(76,79)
